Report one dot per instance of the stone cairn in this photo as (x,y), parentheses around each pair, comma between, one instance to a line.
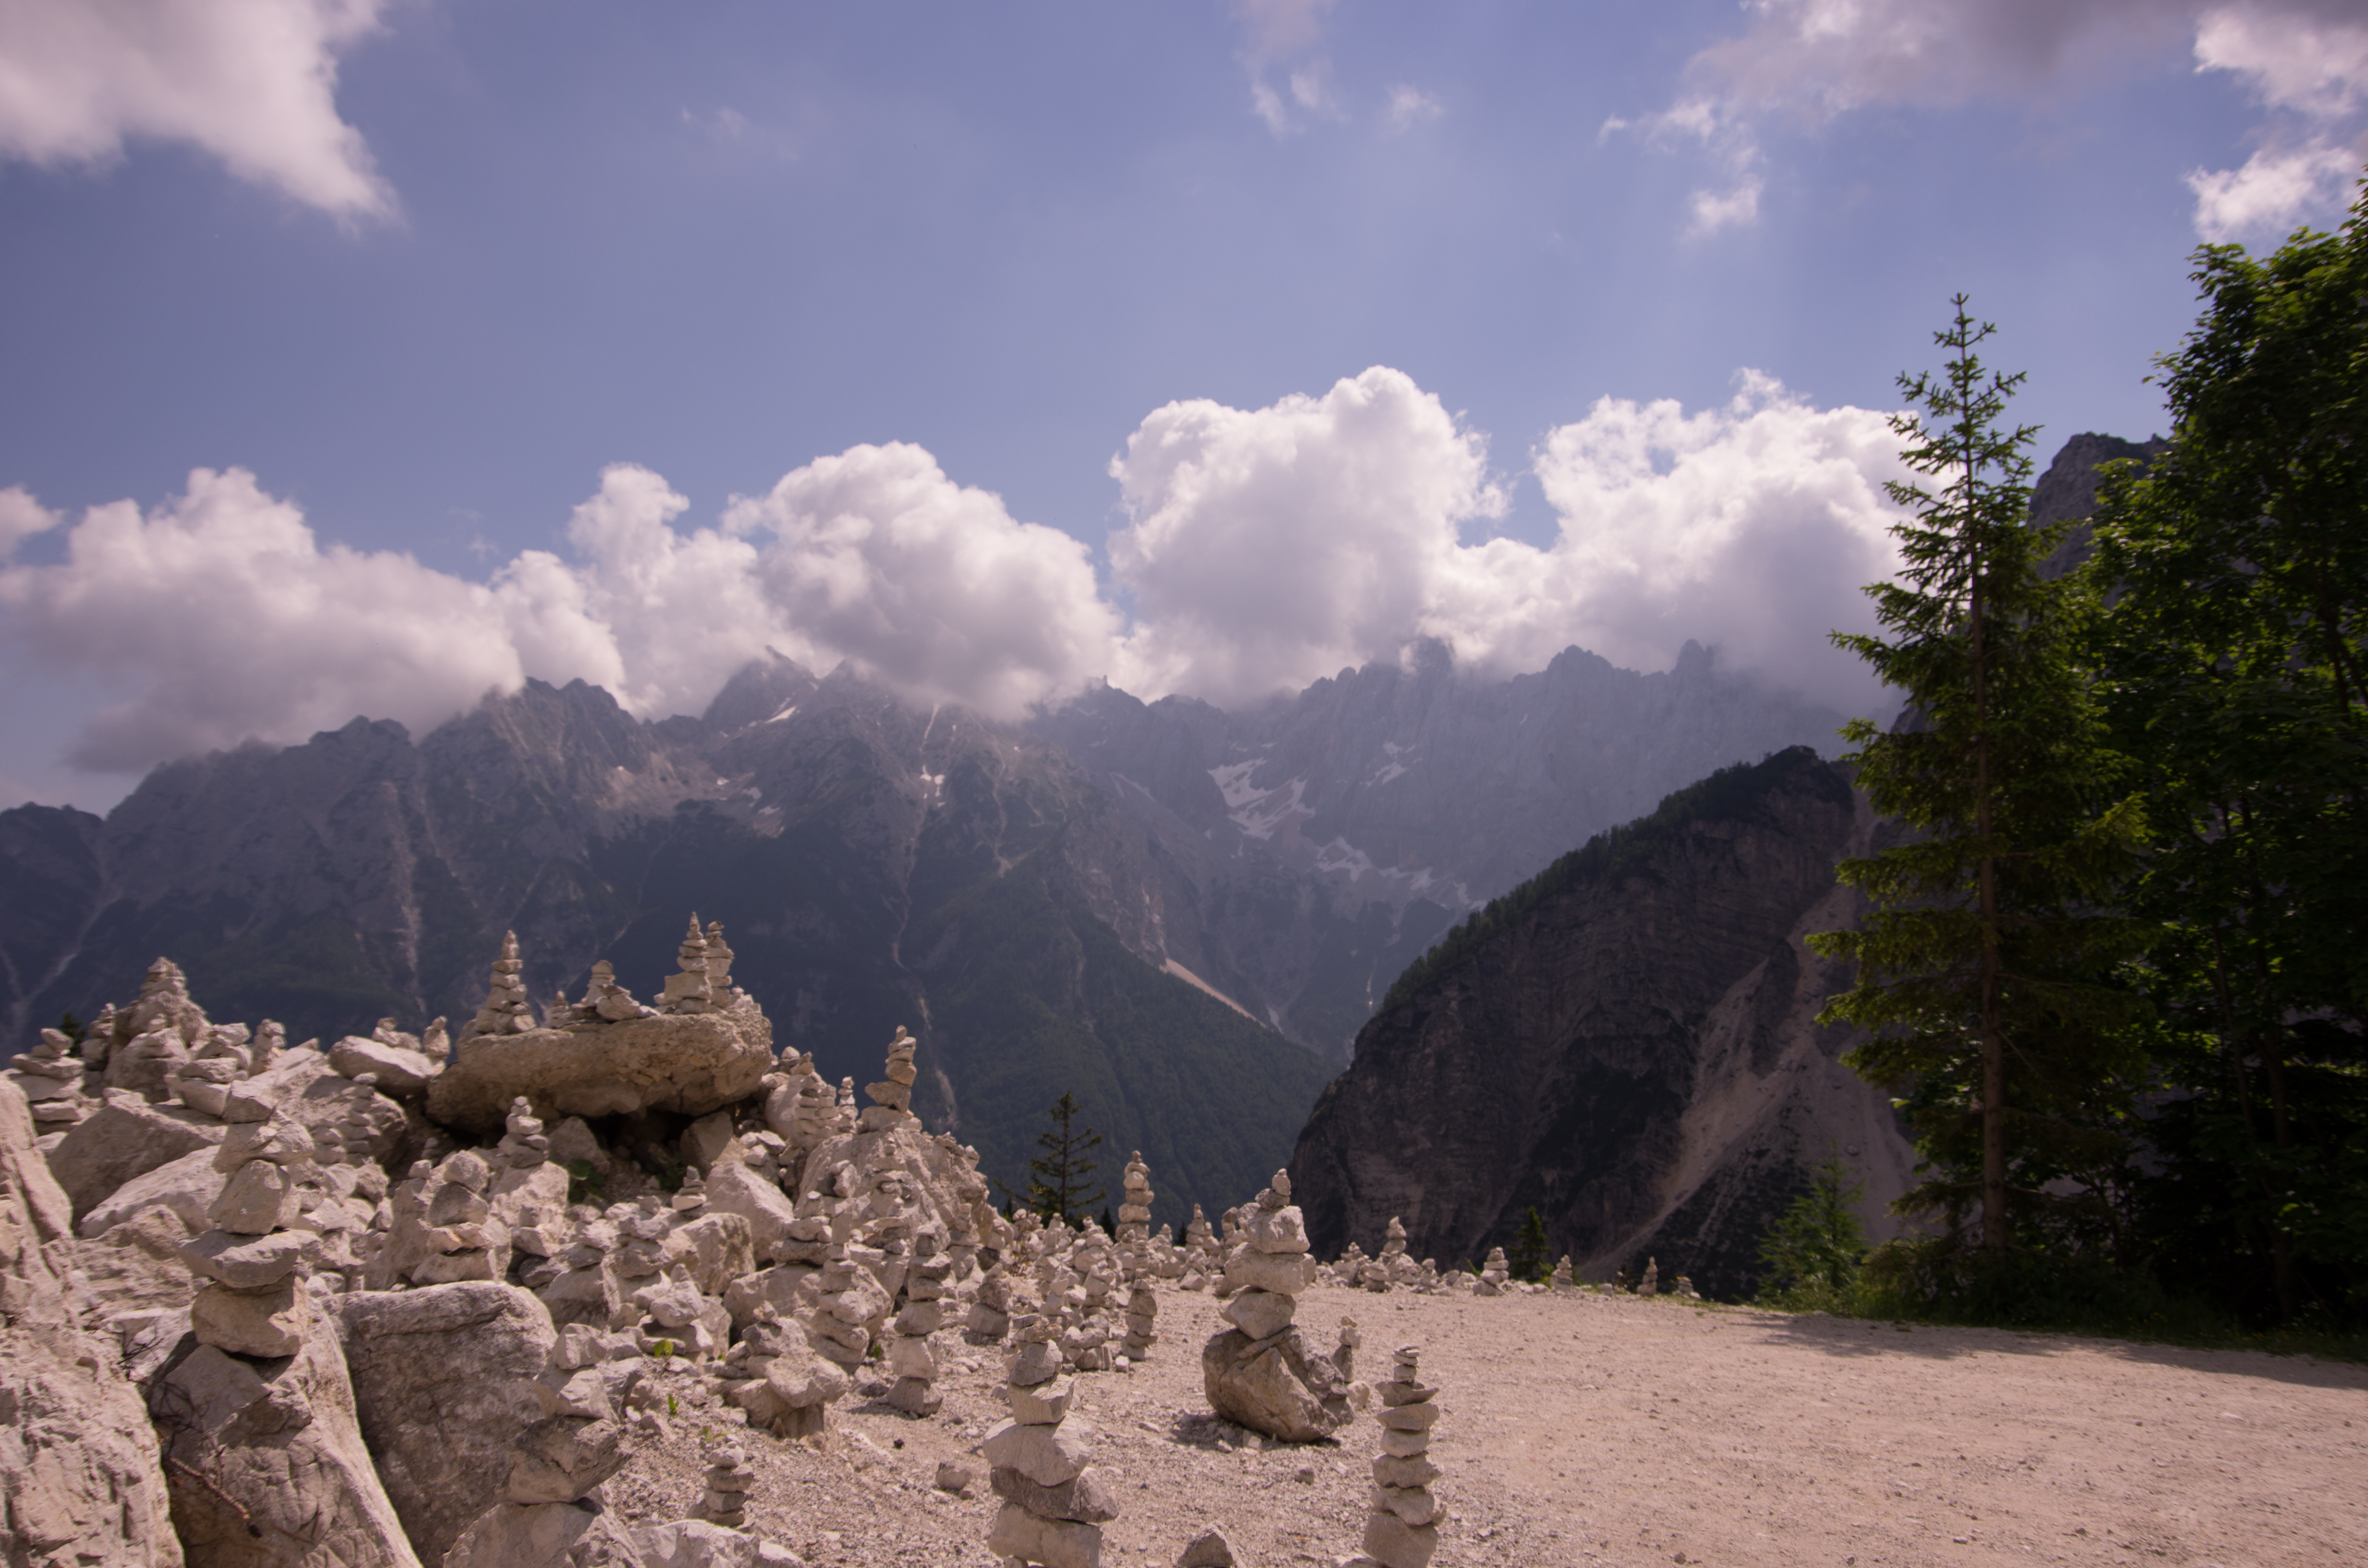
(1494,1275)
(523,1146)
(846,1304)
(1201,1257)
(252,1303)
(892,1100)
(689,989)
(1053,1502)
(1402,1527)
(607,1002)
(507,1010)
(1135,1207)
(50,1076)
(910,1360)
(1651,1284)
(1258,1374)
(990,1308)
(730,1479)
(1142,1317)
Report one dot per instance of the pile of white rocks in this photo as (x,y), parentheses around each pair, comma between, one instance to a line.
(1258,1374)
(1402,1525)
(1055,1502)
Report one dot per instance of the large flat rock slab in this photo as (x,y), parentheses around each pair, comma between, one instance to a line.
(688,1063)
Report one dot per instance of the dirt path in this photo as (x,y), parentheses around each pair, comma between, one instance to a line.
(1587,1429)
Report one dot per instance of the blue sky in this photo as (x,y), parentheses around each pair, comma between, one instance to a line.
(426,268)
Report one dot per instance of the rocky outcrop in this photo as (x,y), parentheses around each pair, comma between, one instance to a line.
(266,1460)
(443,1380)
(1628,1045)
(79,1474)
(125,1139)
(686,1065)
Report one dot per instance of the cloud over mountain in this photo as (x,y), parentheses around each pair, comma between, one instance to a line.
(1264,549)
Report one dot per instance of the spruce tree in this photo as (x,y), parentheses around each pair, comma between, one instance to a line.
(1818,1241)
(1057,1177)
(1984,963)
(1529,1257)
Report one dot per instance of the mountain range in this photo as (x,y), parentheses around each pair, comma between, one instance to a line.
(1180,915)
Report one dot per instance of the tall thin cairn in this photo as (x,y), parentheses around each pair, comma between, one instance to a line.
(1402,1525)
(892,1101)
(1258,1374)
(1053,1502)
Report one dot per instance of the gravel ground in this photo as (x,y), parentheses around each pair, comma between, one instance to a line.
(1591,1430)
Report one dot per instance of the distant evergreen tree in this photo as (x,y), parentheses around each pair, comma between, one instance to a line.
(1057,1177)
(1818,1241)
(74,1029)
(1530,1255)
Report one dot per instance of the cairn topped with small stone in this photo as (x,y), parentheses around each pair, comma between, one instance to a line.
(1134,1209)
(1402,1524)
(523,1145)
(1258,1374)
(507,1010)
(892,1100)
(686,990)
(1494,1275)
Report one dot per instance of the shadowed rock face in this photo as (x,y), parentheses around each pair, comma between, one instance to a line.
(1632,1050)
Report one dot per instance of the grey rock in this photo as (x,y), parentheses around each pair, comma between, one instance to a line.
(545,1535)
(185,1186)
(694,1543)
(123,1138)
(398,1069)
(1085,1499)
(1055,1543)
(265,1460)
(1273,1386)
(1208,1549)
(687,1064)
(79,1476)
(443,1380)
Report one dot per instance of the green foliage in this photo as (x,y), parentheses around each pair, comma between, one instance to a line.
(1816,1246)
(1056,1179)
(1530,1255)
(1730,794)
(585,1182)
(2232,665)
(661,1166)
(74,1030)
(1986,963)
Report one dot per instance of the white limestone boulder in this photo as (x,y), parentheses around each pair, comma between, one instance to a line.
(443,1380)
(690,1064)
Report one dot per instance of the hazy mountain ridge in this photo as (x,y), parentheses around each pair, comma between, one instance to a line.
(1326,840)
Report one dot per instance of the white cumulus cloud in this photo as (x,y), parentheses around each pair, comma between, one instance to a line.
(1264,549)
(252,82)
(1270,547)
(878,556)
(1273,546)
(225,618)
